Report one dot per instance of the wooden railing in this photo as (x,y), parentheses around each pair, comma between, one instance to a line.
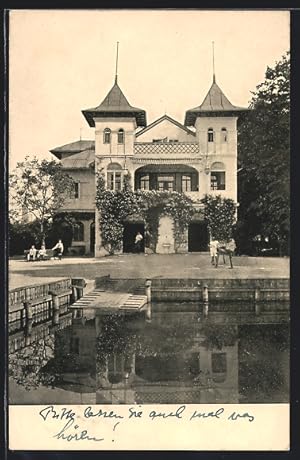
(36,304)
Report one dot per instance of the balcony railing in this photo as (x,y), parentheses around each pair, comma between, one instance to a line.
(166,148)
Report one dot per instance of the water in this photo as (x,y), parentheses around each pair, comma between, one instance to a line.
(173,357)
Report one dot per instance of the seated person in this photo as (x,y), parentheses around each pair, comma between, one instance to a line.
(58,250)
(42,253)
(31,253)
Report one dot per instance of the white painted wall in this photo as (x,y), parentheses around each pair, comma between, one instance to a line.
(86,200)
(165,242)
(217,123)
(166,129)
(114,124)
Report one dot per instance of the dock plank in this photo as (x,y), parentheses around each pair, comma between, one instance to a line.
(110,300)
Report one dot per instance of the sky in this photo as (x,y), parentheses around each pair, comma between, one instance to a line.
(63,61)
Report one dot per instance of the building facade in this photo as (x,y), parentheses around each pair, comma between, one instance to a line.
(197,158)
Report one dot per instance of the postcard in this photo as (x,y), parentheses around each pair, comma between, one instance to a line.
(148,301)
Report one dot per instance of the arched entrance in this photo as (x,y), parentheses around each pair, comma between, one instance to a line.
(130,231)
(198,238)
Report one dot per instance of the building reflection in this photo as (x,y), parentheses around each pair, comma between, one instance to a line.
(164,358)
(166,368)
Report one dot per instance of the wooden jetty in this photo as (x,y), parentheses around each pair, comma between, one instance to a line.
(110,301)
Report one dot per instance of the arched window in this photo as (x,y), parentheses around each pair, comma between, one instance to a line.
(106,136)
(224,135)
(210,135)
(217,176)
(121,136)
(78,231)
(114,177)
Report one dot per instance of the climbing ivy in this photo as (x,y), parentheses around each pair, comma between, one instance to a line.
(220,214)
(115,207)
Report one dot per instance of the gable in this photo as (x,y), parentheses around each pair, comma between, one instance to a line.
(167,129)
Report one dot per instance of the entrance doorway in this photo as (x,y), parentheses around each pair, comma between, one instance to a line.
(198,237)
(129,234)
(92,238)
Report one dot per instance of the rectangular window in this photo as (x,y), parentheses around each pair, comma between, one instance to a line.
(110,181)
(145,182)
(75,193)
(186,183)
(210,135)
(166,183)
(114,181)
(217,180)
(118,181)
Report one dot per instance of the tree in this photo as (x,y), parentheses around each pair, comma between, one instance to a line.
(41,188)
(264,158)
(219,213)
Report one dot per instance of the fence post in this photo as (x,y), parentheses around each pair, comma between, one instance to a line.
(257,308)
(74,294)
(28,328)
(55,301)
(55,317)
(257,295)
(148,290)
(205,293)
(205,299)
(28,309)
(148,312)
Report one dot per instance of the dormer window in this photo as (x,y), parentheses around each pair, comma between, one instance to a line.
(107,136)
(210,135)
(121,136)
(224,135)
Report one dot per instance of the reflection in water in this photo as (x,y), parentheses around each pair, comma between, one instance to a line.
(169,356)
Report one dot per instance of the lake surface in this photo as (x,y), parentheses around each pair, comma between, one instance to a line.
(170,355)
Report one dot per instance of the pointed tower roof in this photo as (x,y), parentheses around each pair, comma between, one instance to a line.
(115,104)
(215,104)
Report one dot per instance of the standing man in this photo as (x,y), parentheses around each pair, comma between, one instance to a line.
(213,247)
(138,242)
(230,248)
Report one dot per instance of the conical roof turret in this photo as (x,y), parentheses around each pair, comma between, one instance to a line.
(215,103)
(115,104)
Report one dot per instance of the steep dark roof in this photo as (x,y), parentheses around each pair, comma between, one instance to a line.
(73,147)
(159,120)
(115,104)
(215,104)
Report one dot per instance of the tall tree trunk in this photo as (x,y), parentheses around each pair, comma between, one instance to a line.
(42,234)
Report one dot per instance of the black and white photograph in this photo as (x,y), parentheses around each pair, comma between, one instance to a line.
(149,229)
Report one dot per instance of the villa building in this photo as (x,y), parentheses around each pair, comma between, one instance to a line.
(197,158)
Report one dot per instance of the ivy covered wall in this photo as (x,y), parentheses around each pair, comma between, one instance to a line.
(118,207)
